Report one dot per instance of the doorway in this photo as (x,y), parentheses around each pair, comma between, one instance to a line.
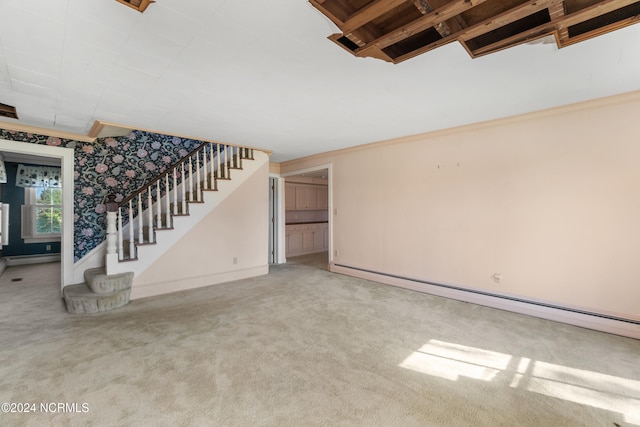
(34,153)
(306,225)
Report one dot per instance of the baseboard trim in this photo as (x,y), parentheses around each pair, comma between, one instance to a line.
(600,322)
(32,259)
(148,290)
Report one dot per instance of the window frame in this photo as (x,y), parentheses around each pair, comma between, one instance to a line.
(29,210)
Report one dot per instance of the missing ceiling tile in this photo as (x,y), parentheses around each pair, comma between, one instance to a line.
(139,5)
(8,111)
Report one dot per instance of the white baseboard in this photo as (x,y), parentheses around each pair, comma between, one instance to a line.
(32,259)
(596,321)
(148,290)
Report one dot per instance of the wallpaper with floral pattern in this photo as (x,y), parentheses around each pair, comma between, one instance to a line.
(114,165)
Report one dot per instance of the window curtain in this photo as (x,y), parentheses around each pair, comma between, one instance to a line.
(3,171)
(38,176)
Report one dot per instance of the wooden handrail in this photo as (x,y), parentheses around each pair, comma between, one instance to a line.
(203,170)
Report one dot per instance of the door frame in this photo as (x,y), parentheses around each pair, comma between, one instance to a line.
(274,196)
(281,223)
(66,156)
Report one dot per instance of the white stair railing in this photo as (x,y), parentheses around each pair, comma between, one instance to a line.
(134,221)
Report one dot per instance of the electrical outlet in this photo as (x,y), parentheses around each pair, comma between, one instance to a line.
(48,247)
(235,259)
(497,277)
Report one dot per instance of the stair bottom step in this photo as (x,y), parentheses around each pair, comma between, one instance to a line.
(79,299)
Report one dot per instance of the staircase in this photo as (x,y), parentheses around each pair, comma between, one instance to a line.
(101,292)
(133,224)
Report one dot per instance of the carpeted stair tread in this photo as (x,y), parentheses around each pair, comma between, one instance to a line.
(80,299)
(99,282)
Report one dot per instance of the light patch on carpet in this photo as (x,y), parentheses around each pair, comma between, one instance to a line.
(451,361)
(587,388)
(448,360)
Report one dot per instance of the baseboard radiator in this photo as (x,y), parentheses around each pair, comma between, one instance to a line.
(32,259)
(570,315)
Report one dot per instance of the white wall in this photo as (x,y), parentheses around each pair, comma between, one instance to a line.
(550,200)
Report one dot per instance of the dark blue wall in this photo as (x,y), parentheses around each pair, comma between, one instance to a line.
(15,197)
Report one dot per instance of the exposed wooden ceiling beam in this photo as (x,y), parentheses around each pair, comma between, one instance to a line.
(139,5)
(594,11)
(516,39)
(369,13)
(482,27)
(511,15)
(326,12)
(425,7)
(558,26)
(556,12)
(429,20)
(492,27)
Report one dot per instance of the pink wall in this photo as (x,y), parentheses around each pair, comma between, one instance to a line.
(550,200)
(236,229)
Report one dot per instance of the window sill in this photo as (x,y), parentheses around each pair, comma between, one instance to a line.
(44,239)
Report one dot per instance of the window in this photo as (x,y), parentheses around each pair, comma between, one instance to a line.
(42,214)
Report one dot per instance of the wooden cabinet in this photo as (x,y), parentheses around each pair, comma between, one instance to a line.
(306,197)
(305,239)
(289,197)
(303,197)
(294,240)
(323,198)
(318,239)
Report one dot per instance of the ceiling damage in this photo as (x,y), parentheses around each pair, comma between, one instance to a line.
(397,30)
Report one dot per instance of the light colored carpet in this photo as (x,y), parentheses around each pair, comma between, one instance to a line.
(304,347)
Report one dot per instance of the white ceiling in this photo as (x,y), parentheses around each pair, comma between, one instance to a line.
(262,73)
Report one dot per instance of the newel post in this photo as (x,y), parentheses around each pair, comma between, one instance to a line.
(111,262)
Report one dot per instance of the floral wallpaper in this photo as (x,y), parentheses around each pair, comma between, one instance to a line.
(114,165)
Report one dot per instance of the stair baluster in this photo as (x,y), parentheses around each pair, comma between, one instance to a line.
(120,247)
(192,197)
(236,162)
(184,191)
(198,178)
(149,215)
(140,222)
(223,162)
(158,206)
(212,169)
(167,202)
(131,222)
(219,154)
(175,192)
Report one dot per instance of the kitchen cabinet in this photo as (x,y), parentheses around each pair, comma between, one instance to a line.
(303,197)
(294,240)
(318,240)
(308,234)
(303,239)
(323,198)
(306,197)
(289,197)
